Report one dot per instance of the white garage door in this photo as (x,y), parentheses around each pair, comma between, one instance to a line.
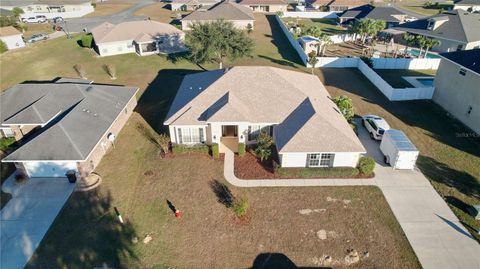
(49,169)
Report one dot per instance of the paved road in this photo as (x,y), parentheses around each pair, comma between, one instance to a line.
(436,235)
(26,218)
(78,24)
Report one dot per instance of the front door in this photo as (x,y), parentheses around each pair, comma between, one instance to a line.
(229,130)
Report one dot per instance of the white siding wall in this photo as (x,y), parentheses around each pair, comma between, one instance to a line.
(216,129)
(343,159)
(13,41)
(243,130)
(115,48)
(292,159)
(49,169)
(299,159)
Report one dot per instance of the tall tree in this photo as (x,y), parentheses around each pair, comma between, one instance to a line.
(325,41)
(216,41)
(17,12)
(430,43)
(422,42)
(410,40)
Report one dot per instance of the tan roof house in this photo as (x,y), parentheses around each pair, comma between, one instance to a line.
(335,5)
(142,37)
(265,5)
(11,37)
(240,16)
(233,106)
(186,5)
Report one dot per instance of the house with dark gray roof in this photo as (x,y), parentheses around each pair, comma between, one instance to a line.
(239,15)
(456,30)
(390,15)
(63,125)
(457,86)
(467,5)
(227,107)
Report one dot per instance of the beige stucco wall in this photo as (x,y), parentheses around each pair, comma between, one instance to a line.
(456,93)
(271,8)
(242,24)
(88,166)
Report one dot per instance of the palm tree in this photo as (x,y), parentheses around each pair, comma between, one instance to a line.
(430,43)
(325,41)
(410,39)
(422,42)
(312,59)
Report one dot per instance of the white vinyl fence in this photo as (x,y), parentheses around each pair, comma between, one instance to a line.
(310,14)
(410,64)
(292,41)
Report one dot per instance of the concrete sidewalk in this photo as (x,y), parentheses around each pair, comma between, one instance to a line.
(26,218)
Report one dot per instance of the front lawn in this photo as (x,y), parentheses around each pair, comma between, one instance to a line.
(394,77)
(427,11)
(283,225)
(105,9)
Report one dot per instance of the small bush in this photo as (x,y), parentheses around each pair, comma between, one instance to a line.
(240,207)
(241,149)
(180,148)
(264,146)
(346,106)
(310,172)
(87,41)
(6,143)
(367,61)
(80,70)
(3,47)
(366,165)
(215,151)
(111,71)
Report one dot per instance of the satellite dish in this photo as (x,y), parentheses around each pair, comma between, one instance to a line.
(111,137)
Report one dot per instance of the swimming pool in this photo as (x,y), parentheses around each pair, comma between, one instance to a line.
(426,81)
(420,82)
(415,52)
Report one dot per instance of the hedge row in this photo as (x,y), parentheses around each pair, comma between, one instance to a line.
(179,148)
(309,172)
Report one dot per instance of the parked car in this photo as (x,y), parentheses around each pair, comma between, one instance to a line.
(36,19)
(37,37)
(57,19)
(375,125)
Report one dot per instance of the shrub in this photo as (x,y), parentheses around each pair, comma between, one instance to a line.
(241,149)
(3,46)
(87,41)
(240,207)
(163,141)
(346,106)
(264,146)
(249,28)
(80,70)
(310,172)
(367,61)
(366,165)
(111,71)
(180,148)
(215,151)
(6,143)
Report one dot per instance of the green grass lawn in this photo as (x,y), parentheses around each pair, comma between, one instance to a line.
(427,11)
(328,26)
(394,77)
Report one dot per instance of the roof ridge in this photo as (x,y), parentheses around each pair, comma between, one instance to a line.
(460,18)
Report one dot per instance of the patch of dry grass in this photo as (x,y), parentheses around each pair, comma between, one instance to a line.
(104,9)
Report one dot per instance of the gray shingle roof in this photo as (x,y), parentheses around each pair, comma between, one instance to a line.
(75,117)
(468,2)
(224,10)
(307,119)
(460,26)
(467,58)
(374,13)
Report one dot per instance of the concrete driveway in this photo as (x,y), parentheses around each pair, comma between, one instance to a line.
(26,218)
(435,233)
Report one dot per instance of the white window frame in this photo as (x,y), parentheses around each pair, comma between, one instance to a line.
(258,128)
(195,135)
(319,159)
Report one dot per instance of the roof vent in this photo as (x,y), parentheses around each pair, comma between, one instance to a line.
(89,88)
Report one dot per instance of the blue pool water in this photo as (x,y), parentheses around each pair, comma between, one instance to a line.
(415,52)
(426,81)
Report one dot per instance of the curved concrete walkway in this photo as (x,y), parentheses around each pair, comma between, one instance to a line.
(436,235)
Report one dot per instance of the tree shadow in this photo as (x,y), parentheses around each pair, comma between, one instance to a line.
(278,61)
(223,193)
(277,261)
(461,205)
(158,96)
(87,234)
(281,42)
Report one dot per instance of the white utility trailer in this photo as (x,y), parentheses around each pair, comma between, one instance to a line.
(398,150)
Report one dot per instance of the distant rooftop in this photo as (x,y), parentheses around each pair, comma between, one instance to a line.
(224,10)
(375,13)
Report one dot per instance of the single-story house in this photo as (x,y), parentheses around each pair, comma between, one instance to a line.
(64,125)
(467,5)
(390,15)
(334,5)
(240,16)
(265,5)
(51,8)
(145,37)
(457,87)
(11,37)
(456,30)
(187,5)
(235,105)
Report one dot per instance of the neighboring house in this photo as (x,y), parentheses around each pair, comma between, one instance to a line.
(234,106)
(51,8)
(456,30)
(142,37)
(11,37)
(467,5)
(334,5)
(457,86)
(390,15)
(187,5)
(64,125)
(265,5)
(239,15)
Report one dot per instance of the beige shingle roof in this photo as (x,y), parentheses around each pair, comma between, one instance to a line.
(298,103)
(224,10)
(8,31)
(263,2)
(108,32)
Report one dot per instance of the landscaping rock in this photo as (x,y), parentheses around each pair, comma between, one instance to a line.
(305,211)
(322,234)
(352,257)
(330,199)
(332,234)
(320,210)
(147,239)
(347,201)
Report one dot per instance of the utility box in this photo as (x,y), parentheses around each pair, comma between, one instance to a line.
(398,150)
